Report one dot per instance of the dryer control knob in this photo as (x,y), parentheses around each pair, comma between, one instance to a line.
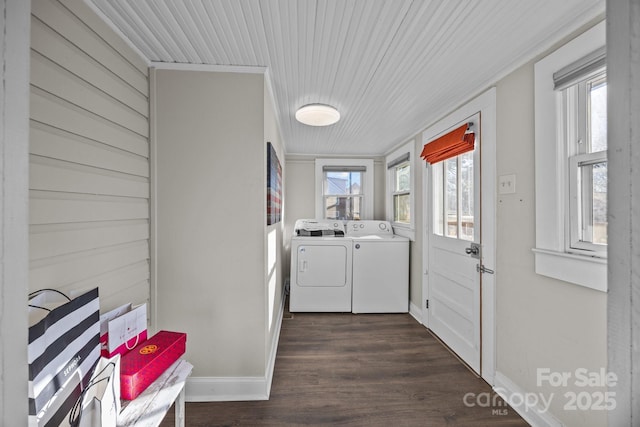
(357,245)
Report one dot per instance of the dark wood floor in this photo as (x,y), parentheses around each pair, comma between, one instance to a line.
(360,370)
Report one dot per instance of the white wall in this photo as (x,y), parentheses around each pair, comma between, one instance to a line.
(416,271)
(218,275)
(14,160)
(541,322)
(209,218)
(89,163)
(275,273)
(623,71)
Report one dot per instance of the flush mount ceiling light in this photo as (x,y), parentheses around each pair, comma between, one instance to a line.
(317,115)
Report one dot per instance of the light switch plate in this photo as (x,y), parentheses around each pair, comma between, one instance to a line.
(507,184)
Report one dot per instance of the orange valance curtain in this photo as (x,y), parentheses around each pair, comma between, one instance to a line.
(450,145)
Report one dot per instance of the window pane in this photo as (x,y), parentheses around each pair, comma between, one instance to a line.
(598,115)
(595,211)
(401,208)
(402,178)
(340,183)
(466,196)
(343,207)
(438,200)
(451,197)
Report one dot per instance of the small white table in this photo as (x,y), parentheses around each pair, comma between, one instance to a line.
(151,406)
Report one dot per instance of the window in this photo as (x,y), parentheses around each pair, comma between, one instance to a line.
(400,180)
(342,193)
(344,189)
(571,162)
(586,121)
(453,203)
(401,193)
(451,157)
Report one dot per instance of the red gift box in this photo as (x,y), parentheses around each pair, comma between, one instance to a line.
(142,365)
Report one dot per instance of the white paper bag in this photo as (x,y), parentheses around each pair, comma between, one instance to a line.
(99,405)
(105,318)
(122,329)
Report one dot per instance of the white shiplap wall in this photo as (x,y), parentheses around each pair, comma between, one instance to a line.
(89,156)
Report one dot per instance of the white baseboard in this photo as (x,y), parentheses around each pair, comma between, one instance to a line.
(416,312)
(271,361)
(536,416)
(225,389)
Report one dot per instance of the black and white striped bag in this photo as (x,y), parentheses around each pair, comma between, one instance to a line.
(64,347)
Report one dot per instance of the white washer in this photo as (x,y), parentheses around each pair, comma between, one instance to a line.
(380,268)
(321,267)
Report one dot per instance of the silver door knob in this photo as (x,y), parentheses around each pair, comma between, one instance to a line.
(473,250)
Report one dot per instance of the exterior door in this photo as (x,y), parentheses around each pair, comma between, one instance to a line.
(454,252)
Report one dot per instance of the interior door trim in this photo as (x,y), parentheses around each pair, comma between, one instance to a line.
(486,105)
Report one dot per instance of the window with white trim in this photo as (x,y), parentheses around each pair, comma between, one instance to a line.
(344,189)
(400,186)
(571,162)
(585,108)
(401,193)
(342,193)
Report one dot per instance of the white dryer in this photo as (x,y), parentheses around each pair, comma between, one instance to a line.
(321,267)
(380,268)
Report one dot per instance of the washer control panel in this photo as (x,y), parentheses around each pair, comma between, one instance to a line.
(368,228)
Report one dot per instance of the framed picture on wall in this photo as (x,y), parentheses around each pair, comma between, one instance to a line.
(274,186)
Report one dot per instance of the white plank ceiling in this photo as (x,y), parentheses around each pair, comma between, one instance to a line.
(391,67)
